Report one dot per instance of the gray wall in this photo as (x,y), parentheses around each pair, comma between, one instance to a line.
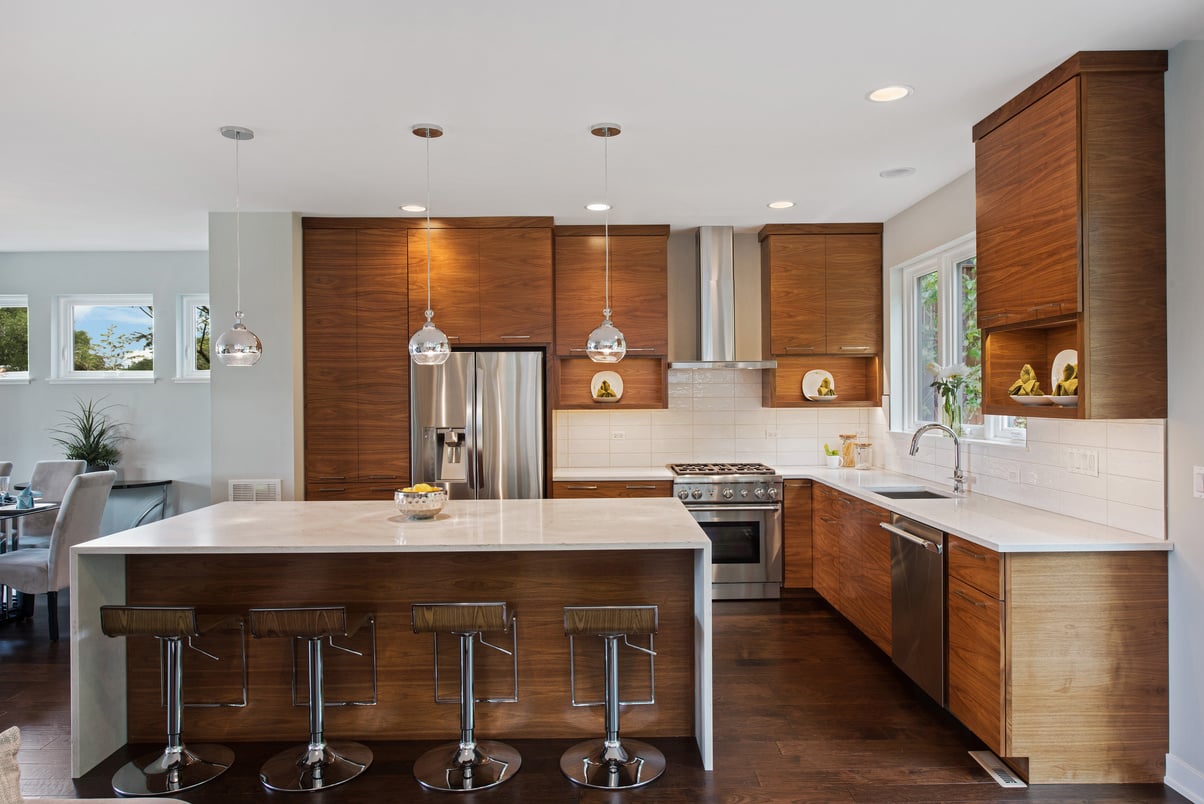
(169,422)
(1185,425)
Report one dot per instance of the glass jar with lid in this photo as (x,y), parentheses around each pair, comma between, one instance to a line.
(847,459)
(863,455)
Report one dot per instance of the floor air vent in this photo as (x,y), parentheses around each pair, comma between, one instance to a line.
(1001,773)
(254,490)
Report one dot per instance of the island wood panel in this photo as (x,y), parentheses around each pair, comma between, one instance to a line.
(516,286)
(854,378)
(382,389)
(645,383)
(1006,352)
(854,298)
(536,584)
(1086,643)
(1125,244)
(974,662)
(796,534)
(330,303)
(611,488)
(793,295)
(455,267)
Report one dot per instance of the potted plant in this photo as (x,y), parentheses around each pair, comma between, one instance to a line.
(90,434)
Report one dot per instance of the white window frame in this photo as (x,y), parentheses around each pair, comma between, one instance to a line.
(944,260)
(17,300)
(186,370)
(62,337)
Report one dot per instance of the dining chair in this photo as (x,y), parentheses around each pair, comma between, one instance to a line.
(51,478)
(48,569)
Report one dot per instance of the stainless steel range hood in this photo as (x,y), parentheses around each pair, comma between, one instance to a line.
(717,308)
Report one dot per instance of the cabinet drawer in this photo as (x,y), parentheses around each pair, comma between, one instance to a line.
(338,490)
(612,488)
(975,662)
(976,565)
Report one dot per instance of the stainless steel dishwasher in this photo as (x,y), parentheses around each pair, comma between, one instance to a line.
(917,591)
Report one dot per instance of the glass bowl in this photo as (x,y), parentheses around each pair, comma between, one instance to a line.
(420,504)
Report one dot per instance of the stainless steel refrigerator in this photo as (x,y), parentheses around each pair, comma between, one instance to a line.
(477,425)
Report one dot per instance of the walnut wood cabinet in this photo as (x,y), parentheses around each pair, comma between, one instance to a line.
(821,306)
(612,488)
(1058,661)
(356,390)
(1071,230)
(796,534)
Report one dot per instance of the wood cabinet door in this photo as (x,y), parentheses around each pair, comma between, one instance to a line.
(382,390)
(454,283)
(975,662)
(854,294)
(865,572)
(639,293)
(516,286)
(578,270)
(330,334)
(796,534)
(795,294)
(1027,213)
(611,488)
(826,535)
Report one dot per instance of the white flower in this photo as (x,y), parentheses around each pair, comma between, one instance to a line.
(955,370)
(934,369)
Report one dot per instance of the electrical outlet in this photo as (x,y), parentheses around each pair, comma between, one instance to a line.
(1082,461)
(1013,475)
(617,435)
(771,433)
(1197,481)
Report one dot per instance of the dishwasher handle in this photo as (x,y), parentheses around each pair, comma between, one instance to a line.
(931,547)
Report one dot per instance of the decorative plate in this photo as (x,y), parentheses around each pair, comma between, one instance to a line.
(1059,363)
(606,386)
(812,381)
(1032,400)
(1064,401)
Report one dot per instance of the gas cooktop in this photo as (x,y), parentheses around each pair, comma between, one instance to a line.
(697,469)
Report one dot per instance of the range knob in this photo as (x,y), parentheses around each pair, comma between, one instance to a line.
(727,494)
(696,494)
(743,492)
(773,491)
(684,494)
(760,492)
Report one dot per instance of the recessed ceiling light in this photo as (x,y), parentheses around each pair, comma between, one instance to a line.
(597,207)
(413,208)
(897,173)
(780,204)
(892,93)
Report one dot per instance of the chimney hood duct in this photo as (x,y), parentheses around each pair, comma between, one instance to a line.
(717,308)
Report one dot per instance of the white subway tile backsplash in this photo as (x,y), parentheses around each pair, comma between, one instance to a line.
(747,403)
(1137,436)
(708,403)
(704,420)
(1045,430)
(681,402)
(1131,491)
(714,390)
(1149,521)
(715,449)
(1131,463)
(1087,434)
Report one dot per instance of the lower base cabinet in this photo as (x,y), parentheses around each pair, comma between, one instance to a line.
(796,534)
(353,490)
(612,488)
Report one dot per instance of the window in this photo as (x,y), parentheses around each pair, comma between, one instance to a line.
(105,337)
(940,327)
(192,363)
(14,338)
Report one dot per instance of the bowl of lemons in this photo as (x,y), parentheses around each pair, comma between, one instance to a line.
(420,501)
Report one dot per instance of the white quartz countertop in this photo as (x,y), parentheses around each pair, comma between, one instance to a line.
(1000,525)
(462,526)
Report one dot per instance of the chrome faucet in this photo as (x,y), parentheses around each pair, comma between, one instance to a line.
(959,480)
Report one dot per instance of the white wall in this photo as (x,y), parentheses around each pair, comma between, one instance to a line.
(169,422)
(257,410)
(1185,424)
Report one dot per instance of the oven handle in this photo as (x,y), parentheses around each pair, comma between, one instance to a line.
(751,507)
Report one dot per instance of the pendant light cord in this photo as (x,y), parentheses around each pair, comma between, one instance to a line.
(429,312)
(237,232)
(606,200)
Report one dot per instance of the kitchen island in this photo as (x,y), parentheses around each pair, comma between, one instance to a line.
(537,555)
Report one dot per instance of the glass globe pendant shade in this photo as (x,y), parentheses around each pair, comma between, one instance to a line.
(238,346)
(606,344)
(429,346)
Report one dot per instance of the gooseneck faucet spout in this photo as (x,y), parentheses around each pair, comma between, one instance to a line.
(959,480)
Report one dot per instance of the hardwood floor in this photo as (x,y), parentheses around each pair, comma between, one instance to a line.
(806,710)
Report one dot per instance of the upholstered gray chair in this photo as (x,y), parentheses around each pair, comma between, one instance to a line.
(6,468)
(48,569)
(51,478)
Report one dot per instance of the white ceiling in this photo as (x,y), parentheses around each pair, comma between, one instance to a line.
(109,112)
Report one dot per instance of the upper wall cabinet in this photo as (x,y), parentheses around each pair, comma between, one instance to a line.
(491,279)
(1071,223)
(821,288)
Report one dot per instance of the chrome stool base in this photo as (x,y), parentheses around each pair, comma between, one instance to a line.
(172,771)
(443,768)
(299,769)
(633,763)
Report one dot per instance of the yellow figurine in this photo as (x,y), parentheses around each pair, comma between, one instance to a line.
(1027,385)
(825,388)
(605,391)
(1069,384)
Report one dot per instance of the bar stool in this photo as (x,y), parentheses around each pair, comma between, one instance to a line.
(176,767)
(319,764)
(611,763)
(468,764)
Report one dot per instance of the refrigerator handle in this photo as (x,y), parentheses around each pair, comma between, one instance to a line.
(478,434)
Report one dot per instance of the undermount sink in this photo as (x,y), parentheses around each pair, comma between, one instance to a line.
(909,493)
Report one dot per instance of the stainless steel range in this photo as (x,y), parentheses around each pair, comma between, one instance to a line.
(739,505)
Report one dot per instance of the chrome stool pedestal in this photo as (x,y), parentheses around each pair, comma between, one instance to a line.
(320,764)
(612,763)
(469,764)
(177,767)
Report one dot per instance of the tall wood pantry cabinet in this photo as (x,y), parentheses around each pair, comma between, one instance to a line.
(1071,220)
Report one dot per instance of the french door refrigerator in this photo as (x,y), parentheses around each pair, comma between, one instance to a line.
(477,425)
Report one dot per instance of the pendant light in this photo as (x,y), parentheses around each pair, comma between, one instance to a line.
(429,346)
(238,346)
(606,344)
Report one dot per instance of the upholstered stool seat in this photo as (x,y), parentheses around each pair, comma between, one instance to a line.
(177,767)
(319,764)
(468,764)
(611,763)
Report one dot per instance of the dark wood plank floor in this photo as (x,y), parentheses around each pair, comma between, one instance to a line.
(806,710)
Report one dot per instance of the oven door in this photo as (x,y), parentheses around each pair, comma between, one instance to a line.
(746,544)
